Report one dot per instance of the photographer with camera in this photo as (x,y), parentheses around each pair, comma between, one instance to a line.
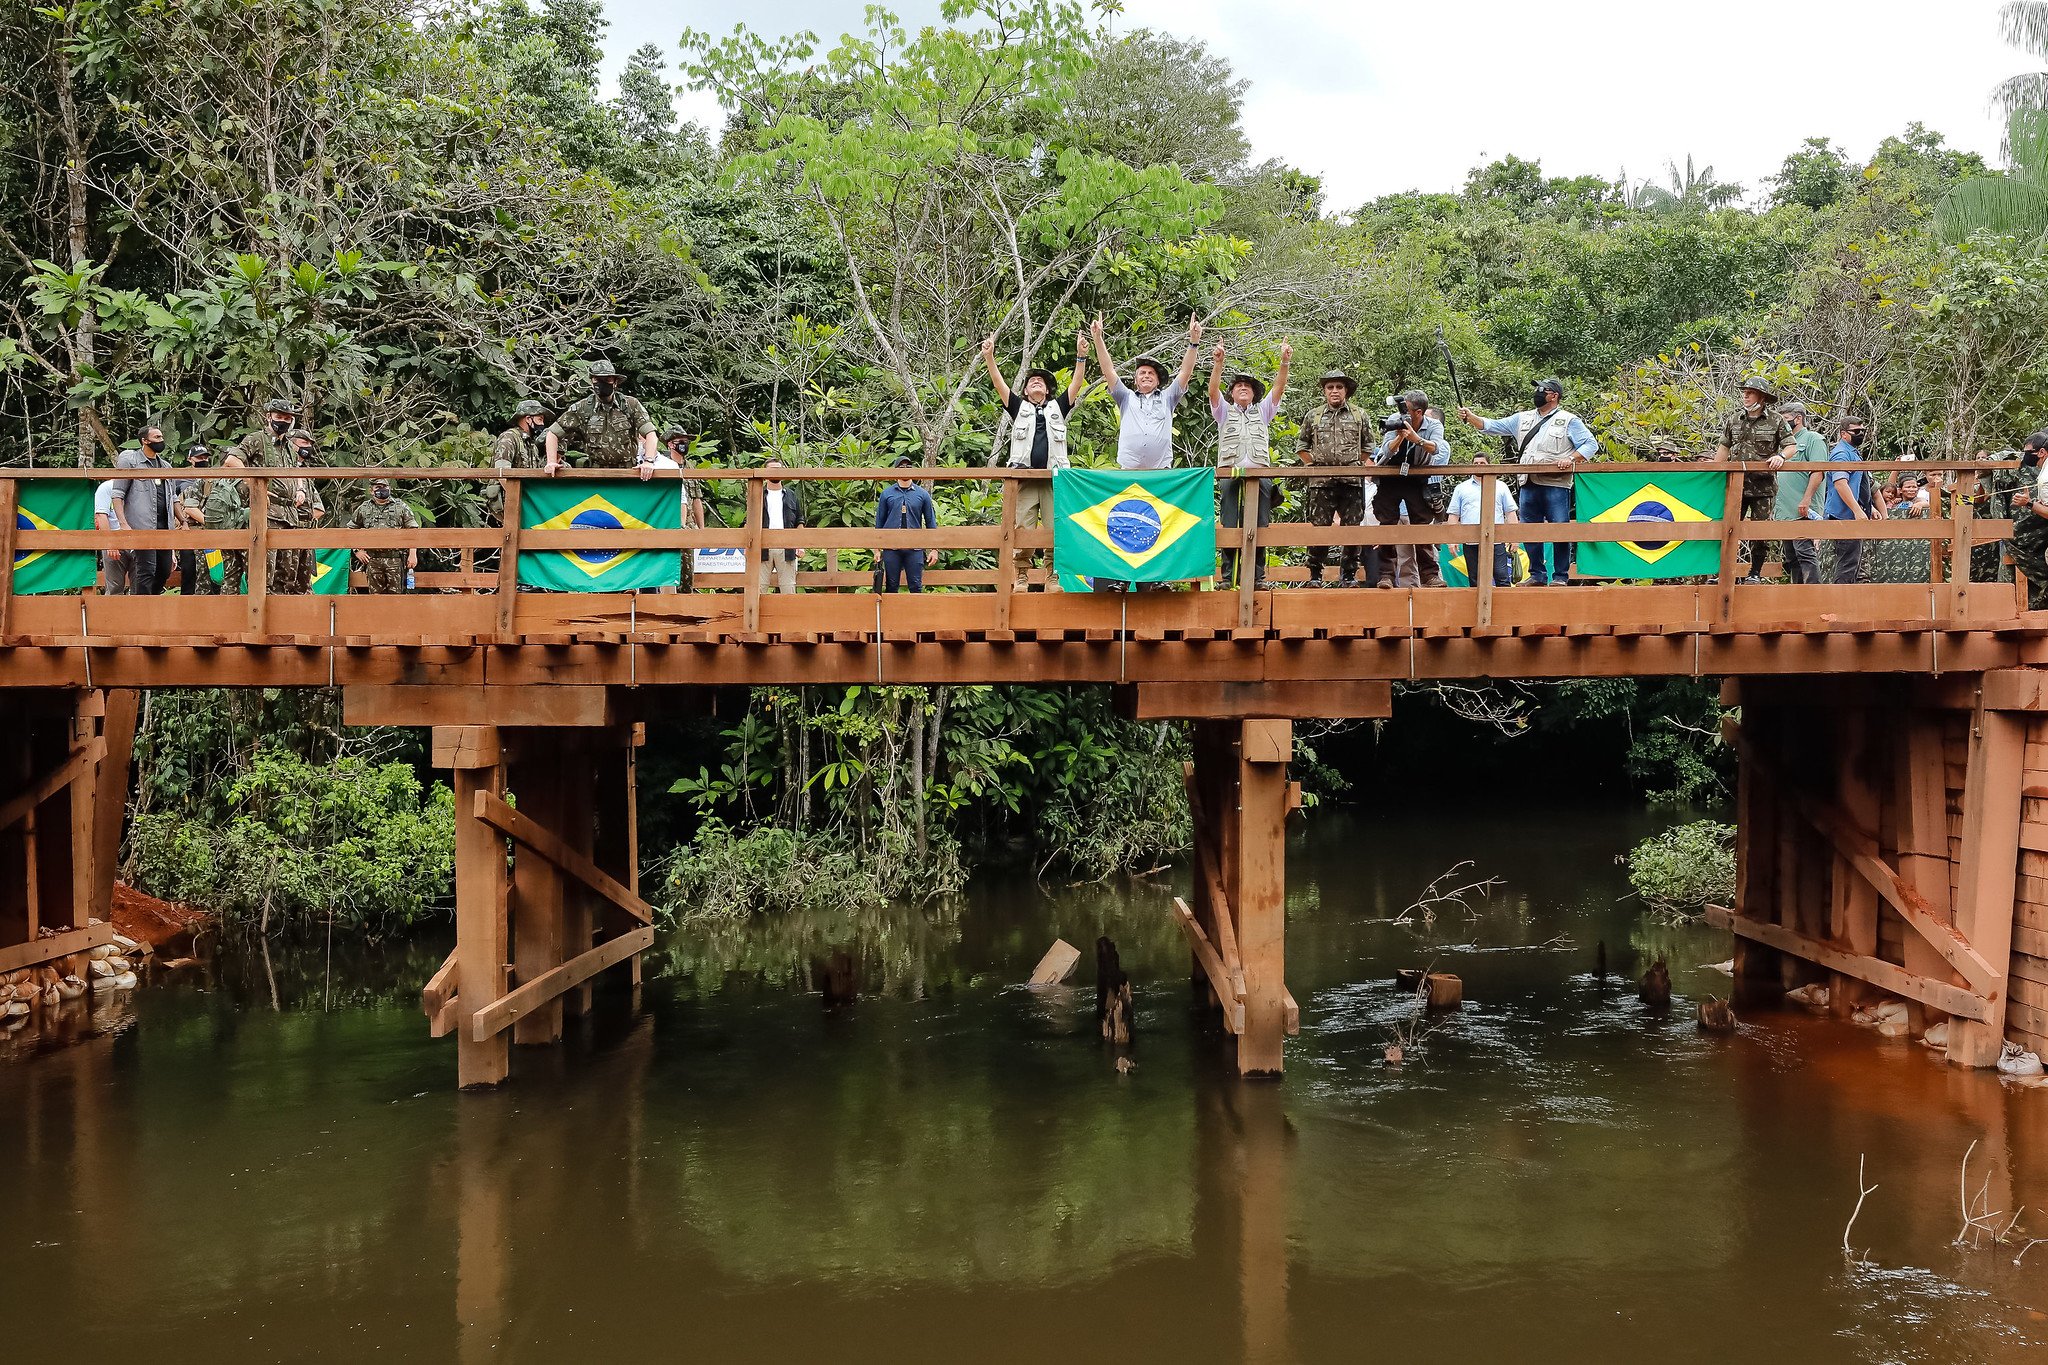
(1549,439)
(1409,439)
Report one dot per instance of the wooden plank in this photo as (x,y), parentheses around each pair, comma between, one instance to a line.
(508,556)
(1251,492)
(1731,547)
(1897,980)
(1006,553)
(1293,1015)
(440,987)
(495,1017)
(110,793)
(1212,965)
(1920,797)
(1989,868)
(40,950)
(256,614)
(476,705)
(1057,965)
(750,577)
(1257,887)
(1279,700)
(10,529)
(1208,869)
(516,825)
(1481,574)
(462,746)
(52,782)
(1961,527)
(1268,742)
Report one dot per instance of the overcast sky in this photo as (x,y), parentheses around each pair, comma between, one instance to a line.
(1377,99)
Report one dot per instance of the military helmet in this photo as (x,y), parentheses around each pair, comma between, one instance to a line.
(283,405)
(528,408)
(1339,377)
(1763,384)
(300,434)
(602,369)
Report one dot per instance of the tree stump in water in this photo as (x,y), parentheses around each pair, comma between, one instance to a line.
(1113,1006)
(833,978)
(1656,988)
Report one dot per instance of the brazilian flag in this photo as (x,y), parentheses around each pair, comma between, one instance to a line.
(599,504)
(1134,526)
(330,571)
(1451,559)
(216,565)
(54,505)
(1650,501)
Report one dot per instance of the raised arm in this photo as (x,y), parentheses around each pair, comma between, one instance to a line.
(1215,374)
(1280,379)
(995,375)
(1102,360)
(1187,360)
(1078,385)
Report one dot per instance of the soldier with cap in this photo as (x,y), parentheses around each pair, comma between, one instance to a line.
(2030,523)
(226,508)
(1337,434)
(516,446)
(193,575)
(611,428)
(294,503)
(1757,435)
(1546,439)
(385,570)
(268,444)
(1243,441)
(1038,433)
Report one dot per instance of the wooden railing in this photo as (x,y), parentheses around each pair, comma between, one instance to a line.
(1950,537)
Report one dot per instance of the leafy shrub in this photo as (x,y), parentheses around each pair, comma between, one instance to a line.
(1685,867)
(723,873)
(362,842)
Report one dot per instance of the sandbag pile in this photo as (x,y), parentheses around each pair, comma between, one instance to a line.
(29,992)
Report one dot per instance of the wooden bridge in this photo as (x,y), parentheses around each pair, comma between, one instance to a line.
(1892,809)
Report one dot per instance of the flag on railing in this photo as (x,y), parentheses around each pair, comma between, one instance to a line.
(599,504)
(216,565)
(1458,575)
(54,505)
(330,570)
(1650,501)
(1149,526)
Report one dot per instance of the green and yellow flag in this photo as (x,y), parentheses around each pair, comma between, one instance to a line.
(54,505)
(599,504)
(330,571)
(1649,501)
(1134,526)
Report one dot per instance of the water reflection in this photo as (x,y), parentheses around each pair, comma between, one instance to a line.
(953,1166)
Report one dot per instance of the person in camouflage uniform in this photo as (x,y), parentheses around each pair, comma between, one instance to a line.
(268,444)
(611,428)
(516,446)
(2030,524)
(1757,435)
(294,504)
(385,570)
(1991,560)
(1337,434)
(226,508)
(193,576)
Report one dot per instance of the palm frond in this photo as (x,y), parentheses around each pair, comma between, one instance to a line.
(2024,23)
(2017,95)
(2004,205)
(2026,141)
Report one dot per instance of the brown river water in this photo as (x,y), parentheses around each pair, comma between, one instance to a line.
(267,1162)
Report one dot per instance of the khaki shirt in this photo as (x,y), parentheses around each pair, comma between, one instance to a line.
(608,433)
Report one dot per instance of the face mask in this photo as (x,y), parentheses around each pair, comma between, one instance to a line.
(1855,438)
(607,387)
(153,447)
(1540,395)
(381,494)
(280,427)
(304,453)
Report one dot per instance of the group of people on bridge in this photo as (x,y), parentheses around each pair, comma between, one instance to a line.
(1402,458)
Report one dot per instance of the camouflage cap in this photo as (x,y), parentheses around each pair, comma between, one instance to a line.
(1762,384)
(602,369)
(1795,407)
(283,405)
(297,434)
(1339,377)
(673,432)
(528,408)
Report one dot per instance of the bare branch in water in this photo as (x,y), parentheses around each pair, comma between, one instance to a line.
(1863,1192)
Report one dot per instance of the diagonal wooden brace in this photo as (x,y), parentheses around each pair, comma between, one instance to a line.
(57,779)
(524,830)
(1953,999)
(1205,953)
(501,1013)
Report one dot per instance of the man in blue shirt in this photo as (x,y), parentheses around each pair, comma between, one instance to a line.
(904,506)
(1547,440)
(1845,496)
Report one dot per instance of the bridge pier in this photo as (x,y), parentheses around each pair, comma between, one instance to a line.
(1892,839)
(546,860)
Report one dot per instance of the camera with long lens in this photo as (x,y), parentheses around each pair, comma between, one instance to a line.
(1394,422)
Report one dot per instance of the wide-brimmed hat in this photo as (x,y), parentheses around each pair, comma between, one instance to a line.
(1339,377)
(283,405)
(1258,385)
(527,407)
(603,370)
(1158,367)
(1757,381)
(1051,384)
(674,430)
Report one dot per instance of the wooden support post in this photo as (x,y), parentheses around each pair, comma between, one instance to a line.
(1852,922)
(480,912)
(538,892)
(1731,545)
(579,835)
(10,517)
(616,851)
(1920,802)
(750,582)
(508,557)
(1481,574)
(85,734)
(1990,870)
(258,604)
(110,794)
(1962,539)
(1250,496)
(1757,971)
(1258,891)
(1006,555)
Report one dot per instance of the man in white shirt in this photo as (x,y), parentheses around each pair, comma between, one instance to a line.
(1144,431)
(114,562)
(781,510)
(1466,501)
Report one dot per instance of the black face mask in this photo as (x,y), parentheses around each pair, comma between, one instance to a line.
(607,387)
(153,447)
(2029,458)
(381,494)
(1855,438)
(305,454)
(1539,396)
(280,428)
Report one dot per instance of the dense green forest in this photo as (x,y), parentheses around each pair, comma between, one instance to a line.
(411,215)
